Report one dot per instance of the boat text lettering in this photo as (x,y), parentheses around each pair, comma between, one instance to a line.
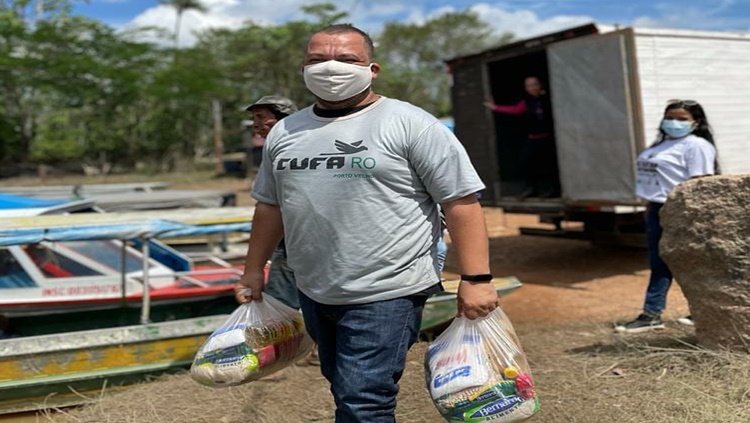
(80,290)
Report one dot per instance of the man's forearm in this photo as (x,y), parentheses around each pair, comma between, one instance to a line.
(468,232)
(265,236)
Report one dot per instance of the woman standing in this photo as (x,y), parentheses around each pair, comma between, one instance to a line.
(685,150)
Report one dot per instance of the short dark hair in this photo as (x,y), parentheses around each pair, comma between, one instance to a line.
(344,28)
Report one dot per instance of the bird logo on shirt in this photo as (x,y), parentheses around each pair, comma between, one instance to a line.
(346,148)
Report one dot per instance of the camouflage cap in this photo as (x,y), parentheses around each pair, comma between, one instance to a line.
(277,102)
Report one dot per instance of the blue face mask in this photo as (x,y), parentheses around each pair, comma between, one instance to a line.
(676,128)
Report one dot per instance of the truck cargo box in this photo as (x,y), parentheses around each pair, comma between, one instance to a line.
(608,88)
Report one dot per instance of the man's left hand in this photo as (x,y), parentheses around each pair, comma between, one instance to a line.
(476,299)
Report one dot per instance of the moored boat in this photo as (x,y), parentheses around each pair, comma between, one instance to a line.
(55,270)
(57,370)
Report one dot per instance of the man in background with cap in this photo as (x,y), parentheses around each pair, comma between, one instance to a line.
(266,112)
(281,283)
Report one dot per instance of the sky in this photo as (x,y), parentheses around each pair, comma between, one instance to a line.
(523,18)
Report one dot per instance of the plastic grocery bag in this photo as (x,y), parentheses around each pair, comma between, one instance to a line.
(257,339)
(476,371)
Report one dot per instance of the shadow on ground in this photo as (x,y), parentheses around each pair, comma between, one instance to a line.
(558,262)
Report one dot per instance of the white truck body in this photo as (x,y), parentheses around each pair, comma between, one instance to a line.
(609,92)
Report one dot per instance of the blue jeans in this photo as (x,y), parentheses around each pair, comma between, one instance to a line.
(661,276)
(281,282)
(362,350)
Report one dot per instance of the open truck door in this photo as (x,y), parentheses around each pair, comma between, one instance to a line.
(595,104)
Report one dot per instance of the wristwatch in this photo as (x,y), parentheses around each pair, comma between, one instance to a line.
(477,278)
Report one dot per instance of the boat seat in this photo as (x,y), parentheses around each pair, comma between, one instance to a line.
(54,270)
(48,267)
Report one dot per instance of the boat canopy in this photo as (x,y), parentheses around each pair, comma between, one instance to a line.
(123,226)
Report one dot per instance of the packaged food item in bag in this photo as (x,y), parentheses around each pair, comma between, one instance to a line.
(257,339)
(476,371)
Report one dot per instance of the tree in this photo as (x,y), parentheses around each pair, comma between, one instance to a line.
(257,60)
(180,7)
(92,85)
(326,13)
(74,90)
(413,56)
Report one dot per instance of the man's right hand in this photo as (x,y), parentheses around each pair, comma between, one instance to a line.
(255,282)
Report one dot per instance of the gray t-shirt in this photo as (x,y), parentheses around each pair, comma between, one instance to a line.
(358,196)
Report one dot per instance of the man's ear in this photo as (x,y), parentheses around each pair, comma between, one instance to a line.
(375,69)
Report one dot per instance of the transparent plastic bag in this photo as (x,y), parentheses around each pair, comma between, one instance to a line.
(257,339)
(476,371)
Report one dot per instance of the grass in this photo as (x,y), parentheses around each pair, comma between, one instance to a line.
(584,374)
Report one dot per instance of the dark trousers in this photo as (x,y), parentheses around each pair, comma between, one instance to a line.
(661,276)
(541,173)
(362,349)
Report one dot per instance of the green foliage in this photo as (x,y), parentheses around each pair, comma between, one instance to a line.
(325,12)
(75,90)
(413,56)
(58,140)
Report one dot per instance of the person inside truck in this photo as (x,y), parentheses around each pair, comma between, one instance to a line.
(538,154)
(684,150)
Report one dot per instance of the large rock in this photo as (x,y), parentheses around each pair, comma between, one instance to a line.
(706,244)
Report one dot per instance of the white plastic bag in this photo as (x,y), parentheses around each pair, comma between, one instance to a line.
(476,371)
(257,339)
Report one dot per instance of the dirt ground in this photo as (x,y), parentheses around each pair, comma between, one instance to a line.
(564,281)
(572,294)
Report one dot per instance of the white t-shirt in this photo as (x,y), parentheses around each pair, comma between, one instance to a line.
(671,162)
(358,197)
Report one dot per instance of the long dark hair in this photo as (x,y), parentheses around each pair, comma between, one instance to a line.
(702,129)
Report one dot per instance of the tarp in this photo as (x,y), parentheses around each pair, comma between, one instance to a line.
(10,201)
(12,205)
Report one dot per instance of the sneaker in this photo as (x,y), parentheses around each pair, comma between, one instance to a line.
(687,321)
(642,323)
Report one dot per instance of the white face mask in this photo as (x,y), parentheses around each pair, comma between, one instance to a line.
(337,81)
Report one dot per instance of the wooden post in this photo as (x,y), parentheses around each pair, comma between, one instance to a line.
(146,298)
(218,144)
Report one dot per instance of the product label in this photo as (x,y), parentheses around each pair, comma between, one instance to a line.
(269,332)
(494,410)
(226,355)
(496,392)
(441,380)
